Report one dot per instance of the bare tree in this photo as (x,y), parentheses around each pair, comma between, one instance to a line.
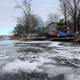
(63,6)
(72,8)
(26,20)
(53,18)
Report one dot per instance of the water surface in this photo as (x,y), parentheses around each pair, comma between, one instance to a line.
(39,60)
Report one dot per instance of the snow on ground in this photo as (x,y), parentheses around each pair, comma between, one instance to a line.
(29,42)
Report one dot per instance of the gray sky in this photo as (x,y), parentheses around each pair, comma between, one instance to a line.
(8,13)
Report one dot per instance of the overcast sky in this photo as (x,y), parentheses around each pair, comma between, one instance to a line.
(8,13)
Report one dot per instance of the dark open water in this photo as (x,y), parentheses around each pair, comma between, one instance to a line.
(39,60)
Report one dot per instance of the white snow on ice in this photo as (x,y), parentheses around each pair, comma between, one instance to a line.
(39,63)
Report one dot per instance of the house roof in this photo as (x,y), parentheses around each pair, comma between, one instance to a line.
(51,23)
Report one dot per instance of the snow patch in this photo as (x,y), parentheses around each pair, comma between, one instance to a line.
(29,42)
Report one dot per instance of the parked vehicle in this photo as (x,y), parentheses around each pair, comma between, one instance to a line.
(65,34)
(70,34)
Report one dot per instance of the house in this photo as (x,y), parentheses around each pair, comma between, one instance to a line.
(52,29)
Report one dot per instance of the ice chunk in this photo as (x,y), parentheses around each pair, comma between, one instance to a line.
(54,71)
(17,65)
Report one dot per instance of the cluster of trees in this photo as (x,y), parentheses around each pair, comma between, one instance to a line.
(71,12)
(28,22)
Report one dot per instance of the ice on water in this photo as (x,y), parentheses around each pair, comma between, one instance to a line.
(52,58)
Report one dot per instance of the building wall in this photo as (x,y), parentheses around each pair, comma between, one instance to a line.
(52,28)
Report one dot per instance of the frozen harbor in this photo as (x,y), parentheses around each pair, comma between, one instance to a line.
(39,60)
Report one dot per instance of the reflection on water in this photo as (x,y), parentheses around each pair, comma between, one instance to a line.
(39,60)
